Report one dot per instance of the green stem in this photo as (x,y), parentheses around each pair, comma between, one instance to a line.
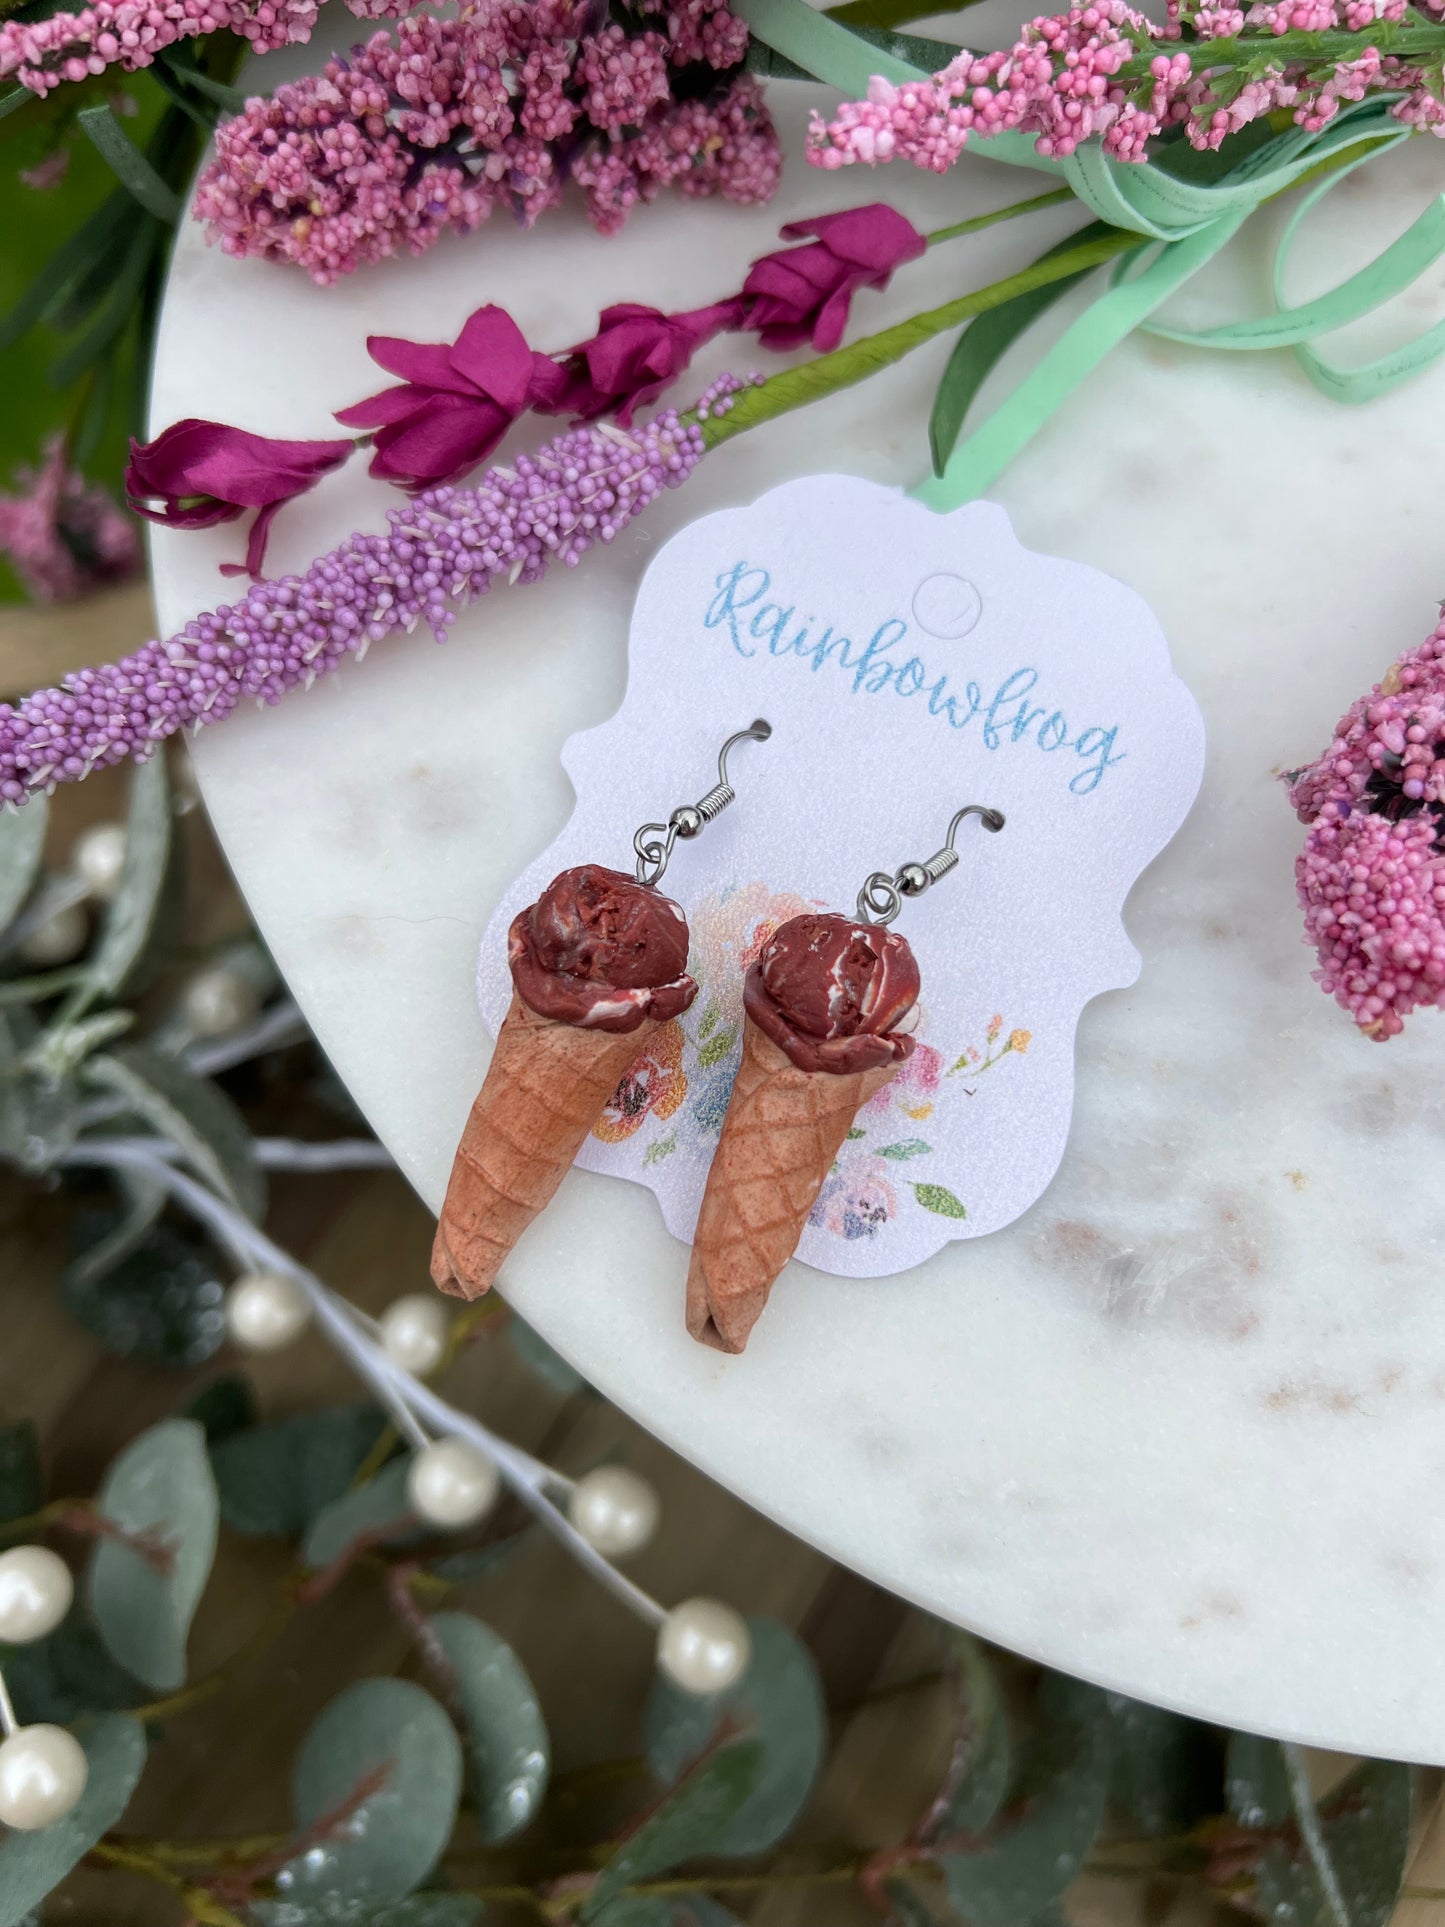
(1052,199)
(827,374)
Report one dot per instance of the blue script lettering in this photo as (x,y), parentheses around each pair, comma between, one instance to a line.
(1007,716)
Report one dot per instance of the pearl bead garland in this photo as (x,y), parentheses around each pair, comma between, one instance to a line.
(451,1485)
(614,1510)
(704,1646)
(218,1000)
(98,857)
(36,1590)
(43,1770)
(60,938)
(414,1332)
(266,1311)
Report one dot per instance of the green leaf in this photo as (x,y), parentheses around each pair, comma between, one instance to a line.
(162,1302)
(855,1132)
(908,1147)
(883,13)
(538,1355)
(378,1509)
(420,1910)
(508,1748)
(133,911)
(709,1022)
(1059,1799)
(32,1864)
(718,1046)
(780,1703)
(45,290)
(129,165)
(22,843)
(60,1051)
(190,1113)
(695,1816)
(636,1910)
(226,1406)
(160,1485)
(1256,1783)
(479,1562)
(145,1199)
(180,60)
(68,1674)
(14,100)
(397,1833)
(940,1200)
(21,1488)
(985,342)
(981,1793)
(1168,1770)
(274,1479)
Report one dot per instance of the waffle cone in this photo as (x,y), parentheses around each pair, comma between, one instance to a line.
(783,1130)
(544,1090)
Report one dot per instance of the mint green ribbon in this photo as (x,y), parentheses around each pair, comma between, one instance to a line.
(1181,224)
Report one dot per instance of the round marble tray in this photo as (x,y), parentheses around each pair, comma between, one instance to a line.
(1180,1429)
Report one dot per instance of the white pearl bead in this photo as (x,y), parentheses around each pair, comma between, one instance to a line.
(98,857)
(704,1646)
(452,1485)
(265,1311)
(614,1510)
(414,1331)
(217,1001)
(35,1593)
(43,1770)
(61,937)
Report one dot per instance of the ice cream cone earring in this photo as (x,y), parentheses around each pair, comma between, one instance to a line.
(824,1005)
(599,962)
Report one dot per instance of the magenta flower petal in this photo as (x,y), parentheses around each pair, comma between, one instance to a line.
(425,363)
(876,237)
(491,352)
(803,293)
(383,410)
(442,439)
(193,466)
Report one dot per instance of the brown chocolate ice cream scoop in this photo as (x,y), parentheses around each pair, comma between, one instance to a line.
(602,952)
(830,992)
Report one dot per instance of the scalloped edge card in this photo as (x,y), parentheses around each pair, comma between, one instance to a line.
(909,662)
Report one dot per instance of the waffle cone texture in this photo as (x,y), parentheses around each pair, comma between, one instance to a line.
(783,1130)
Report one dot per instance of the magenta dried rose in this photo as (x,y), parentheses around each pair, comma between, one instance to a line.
(636,353)
(804,293)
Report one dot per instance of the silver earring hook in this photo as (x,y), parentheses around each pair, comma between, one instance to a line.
(881,897)
(654,842)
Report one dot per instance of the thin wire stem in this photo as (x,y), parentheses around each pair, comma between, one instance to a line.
(8,1722)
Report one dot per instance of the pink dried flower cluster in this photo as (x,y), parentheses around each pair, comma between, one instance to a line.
(445,547)
(1107,70)
(1371,876)
(63,536)
(434,126)
(43,54)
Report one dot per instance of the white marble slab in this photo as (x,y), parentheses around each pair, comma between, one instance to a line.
(1181,1428)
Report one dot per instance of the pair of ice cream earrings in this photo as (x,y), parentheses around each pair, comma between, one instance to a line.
(599,963)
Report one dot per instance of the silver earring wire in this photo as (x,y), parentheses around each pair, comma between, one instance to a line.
(881,897)
(654,842)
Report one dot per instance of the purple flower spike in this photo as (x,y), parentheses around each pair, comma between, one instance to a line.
(196,474)
(803,294)
(455,403)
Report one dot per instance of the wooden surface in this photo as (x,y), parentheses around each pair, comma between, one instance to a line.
(222,1767)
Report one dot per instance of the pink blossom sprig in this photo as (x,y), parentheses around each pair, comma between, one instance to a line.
(444,548)
(1371,876)
(1107,70)
(438,124)
(62,535)
(65,46)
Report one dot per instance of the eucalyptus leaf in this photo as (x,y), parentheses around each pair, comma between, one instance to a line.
(540,1358)
(690,1822)
(274,1479)
(1059,1799)
(161,1485)
(22,843)
(780,1702)
(480,1562)
(1168,1770)
(21,1489)
(984,343)
(144,1200)
(397,1833)
(1256,1782)
(509,1751)
(636,1910)
(59,1052)
(130,167)
(32,1864)
(133,910)
(379,1509)
(419,1910)
(1364,1827)
(162,1302)
(226,1406)
(990,1769)
(193,1114)
(69,1673)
